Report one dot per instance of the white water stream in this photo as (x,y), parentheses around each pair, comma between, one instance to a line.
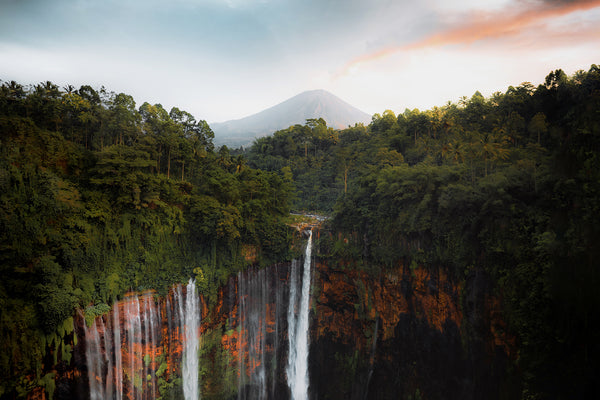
(190,320)
(297,368)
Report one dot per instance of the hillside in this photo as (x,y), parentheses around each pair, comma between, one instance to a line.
(458,258)
(296,110)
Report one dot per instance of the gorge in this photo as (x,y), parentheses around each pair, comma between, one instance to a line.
(458,258)
(156,343)
(367,338)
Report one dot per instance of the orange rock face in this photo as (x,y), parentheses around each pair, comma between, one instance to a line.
(37,393)
(347,297)
(403,332)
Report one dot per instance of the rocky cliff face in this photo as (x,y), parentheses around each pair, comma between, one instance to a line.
(405,333)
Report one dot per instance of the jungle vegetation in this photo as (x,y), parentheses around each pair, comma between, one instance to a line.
(99,197)
(506,187)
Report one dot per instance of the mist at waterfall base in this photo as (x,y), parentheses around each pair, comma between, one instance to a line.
(147,342)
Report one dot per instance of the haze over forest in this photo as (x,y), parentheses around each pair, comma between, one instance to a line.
(227,59)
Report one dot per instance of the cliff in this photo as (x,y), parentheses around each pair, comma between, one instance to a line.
(406,333)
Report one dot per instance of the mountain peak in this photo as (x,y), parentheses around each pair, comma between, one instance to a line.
(316,103)
(320,92)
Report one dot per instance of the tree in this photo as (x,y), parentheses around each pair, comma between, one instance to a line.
(538,125)
(555,79)
(346,160)
(12,96)
(44,105)
(454,151)
(156,123)
(384,123)
(416,123)
(514,125)
(123,120)
(492,148)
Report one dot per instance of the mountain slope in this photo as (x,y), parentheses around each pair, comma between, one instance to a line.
(296,110)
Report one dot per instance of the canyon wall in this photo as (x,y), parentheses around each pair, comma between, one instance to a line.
(405,333)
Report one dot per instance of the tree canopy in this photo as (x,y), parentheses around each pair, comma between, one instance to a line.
(99,197)
(506,186)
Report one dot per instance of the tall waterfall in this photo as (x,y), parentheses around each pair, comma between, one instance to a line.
(252,303)
(298,307)
(189,325)
(119,351)
(261,309)
(148,347)
(124,351)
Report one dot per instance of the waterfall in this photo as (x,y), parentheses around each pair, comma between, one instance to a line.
(151,321)
(118,356)
(190,371)
(189,326)
(143,334)
(133,328)
(372,357)
(298,308)
(122,349)
(259,301)
(93,354)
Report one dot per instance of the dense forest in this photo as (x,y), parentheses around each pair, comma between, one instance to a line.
(506,187)
(98,197)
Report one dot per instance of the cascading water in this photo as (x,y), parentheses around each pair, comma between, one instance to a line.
(115,351)
(122,351)
(118,356)
(147,342)
(94,357)
(261,311)
(371,358)
(189,325)
(252,303)
(191,384)
(133,328)
(298,308)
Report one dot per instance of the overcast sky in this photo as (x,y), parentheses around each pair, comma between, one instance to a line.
(227,59)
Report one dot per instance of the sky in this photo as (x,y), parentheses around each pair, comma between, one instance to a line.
(227,59)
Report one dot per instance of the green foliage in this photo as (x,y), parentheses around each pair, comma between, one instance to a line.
(213,357)
(92,312)
(98,198)
(48,383)
(509,186)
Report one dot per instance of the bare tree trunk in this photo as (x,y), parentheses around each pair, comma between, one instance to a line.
(158,160)
(169,163)
(345,179)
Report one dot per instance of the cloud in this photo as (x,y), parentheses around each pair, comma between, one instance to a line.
(480,25)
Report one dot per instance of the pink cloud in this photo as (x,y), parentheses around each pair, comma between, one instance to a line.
(479,26)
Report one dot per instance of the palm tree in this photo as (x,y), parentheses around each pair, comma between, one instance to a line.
(492,148)
(454,151)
